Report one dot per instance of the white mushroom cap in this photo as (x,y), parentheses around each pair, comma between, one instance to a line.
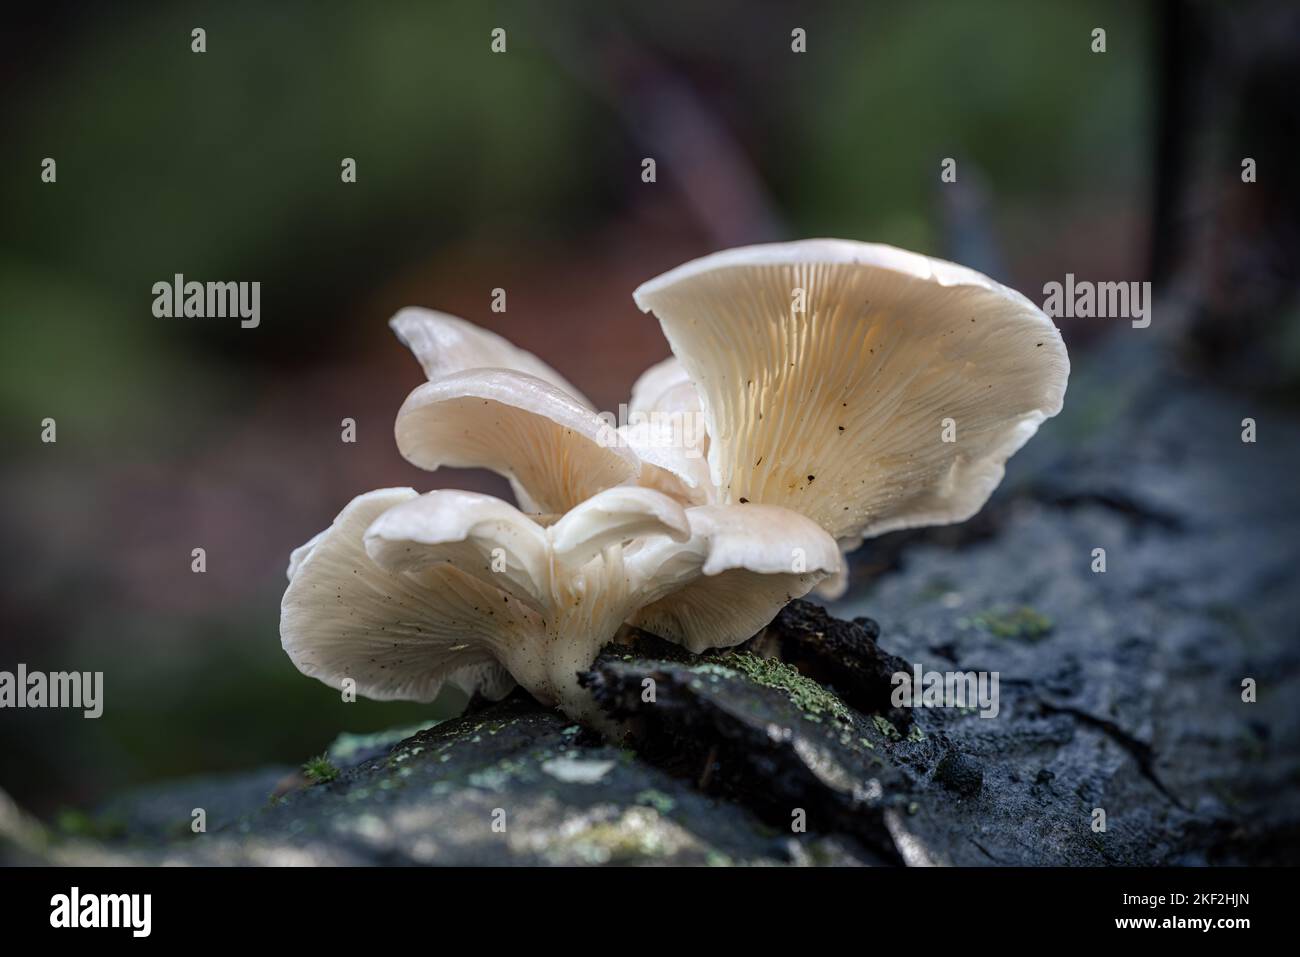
(838,411)
(479,535)
(667,433)
(649,390)
(555,451)
(444,344)
(616,516)
(489,404)
(398,636)
(742,565)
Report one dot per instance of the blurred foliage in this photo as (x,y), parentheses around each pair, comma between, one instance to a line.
(1007,88)
(227,164)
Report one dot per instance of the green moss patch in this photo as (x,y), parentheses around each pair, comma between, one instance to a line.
(1023,623)
(320,770)
(806,695)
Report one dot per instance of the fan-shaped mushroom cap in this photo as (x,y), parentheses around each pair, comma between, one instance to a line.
(489,404)
(445,344)
(479,535)
(554,450)
(616,516)
(398,636)
(741,565)
(838,411)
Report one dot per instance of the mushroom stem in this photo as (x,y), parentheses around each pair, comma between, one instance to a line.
(548,668)
(586,610)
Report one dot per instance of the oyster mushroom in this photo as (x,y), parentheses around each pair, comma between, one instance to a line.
(667,433)
(555,452)
(443,344)
(847,389)
(832,374)
(489,404)
(406,592)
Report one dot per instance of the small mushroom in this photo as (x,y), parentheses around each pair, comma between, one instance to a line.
(489,404)
(738,569)
(406,592)
(843,360)
(444,344)
(343,617)
(667,433)
(555,452)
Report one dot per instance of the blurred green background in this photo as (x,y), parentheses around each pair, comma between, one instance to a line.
(476,170)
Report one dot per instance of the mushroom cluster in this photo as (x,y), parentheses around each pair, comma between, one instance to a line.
(846,389)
